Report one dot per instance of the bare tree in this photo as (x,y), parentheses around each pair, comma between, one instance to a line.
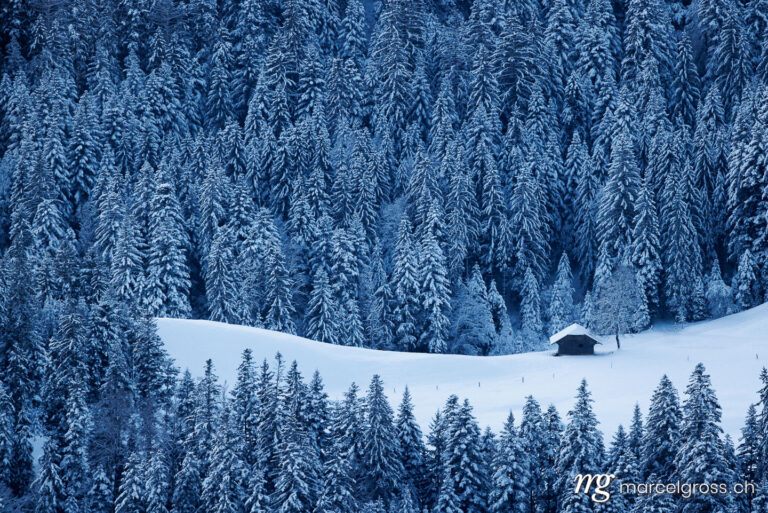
(619,304)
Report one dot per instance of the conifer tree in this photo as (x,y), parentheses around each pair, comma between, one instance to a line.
(74,468)
(701,449)
(100,497)
(410,447)
(510,477)
(167,284)
(561,309)
(646,246)
(321,310)
(188,483)
(581,452)
(406,288)
(530,312)
(527,219)
(381,467)
(435,295)
(472,325)
(131,494)
(49,486)
(682,255)
(746,284)
(337,490)
(616,214)
(686,83)
(466,472)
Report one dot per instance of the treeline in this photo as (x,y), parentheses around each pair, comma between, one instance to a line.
(275,443)
(414,175)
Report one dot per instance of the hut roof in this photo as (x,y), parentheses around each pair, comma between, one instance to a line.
(573,329)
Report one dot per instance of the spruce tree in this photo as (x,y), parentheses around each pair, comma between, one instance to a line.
(616,213)
(561,309)
(100,498)
(410,448)
(745,282)
(406,288)
(511,472)
(662,432)
(132,492)
(322,322)
(472,327)
(530,312)
(466,472)
(49,488)
(435,294)
(382,469)
(702,450)
(646,246)
(581,451)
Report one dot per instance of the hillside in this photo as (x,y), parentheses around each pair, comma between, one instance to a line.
(733,349)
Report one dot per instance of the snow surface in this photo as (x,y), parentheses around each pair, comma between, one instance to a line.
(733,349)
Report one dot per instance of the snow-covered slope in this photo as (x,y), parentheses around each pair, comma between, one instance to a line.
(733,349)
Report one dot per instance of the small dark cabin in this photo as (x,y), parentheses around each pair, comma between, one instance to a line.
(574,340)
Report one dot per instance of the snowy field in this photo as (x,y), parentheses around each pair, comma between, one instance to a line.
(734,349)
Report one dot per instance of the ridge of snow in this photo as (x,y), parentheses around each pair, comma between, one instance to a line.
(733,349)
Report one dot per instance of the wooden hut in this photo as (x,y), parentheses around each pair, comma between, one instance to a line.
(574,340)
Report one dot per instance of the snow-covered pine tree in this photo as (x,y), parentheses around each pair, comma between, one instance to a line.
(411,449)
(132,492)
(317,414)
(561,309)
(581,451)
(406,288)
(472,326)
(296,486)
(245,407)
(636,434)
(6,437)
(749,446)
(702,450)
(100,497)
(616,213)
(435,295)
(745,282)
(531,328)
(337,489)
(74,468)
(382,469)
(49,487)
(511,472)
(188,484)
(466,473)
(321,310)
(222,488)
(719,296)
(552,439)
(533,440)
(686,88)
(528,222)
(619,304)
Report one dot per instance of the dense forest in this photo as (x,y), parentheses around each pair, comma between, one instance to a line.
(420,176)
(416,175)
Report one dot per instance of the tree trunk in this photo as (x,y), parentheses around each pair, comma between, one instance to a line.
(618,343)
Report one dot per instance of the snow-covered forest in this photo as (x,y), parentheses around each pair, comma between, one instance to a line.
(432,175)
(416,175)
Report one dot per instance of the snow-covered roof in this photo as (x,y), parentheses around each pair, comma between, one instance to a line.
(573,329)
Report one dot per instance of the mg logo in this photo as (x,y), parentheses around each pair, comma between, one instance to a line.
(601,482)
